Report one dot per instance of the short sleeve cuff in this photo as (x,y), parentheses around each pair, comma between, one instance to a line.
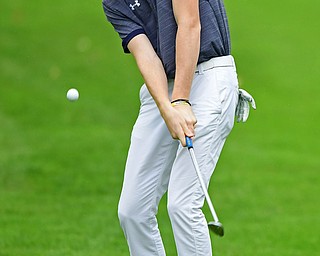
(128,38)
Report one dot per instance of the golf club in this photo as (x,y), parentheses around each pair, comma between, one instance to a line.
(215,225)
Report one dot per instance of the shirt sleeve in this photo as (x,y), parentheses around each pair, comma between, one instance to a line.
(123,21)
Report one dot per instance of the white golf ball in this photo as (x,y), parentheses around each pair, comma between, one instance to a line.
(72,94)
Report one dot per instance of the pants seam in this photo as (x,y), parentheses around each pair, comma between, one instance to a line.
(155,198)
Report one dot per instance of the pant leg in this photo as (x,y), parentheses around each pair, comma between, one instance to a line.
(214,96)
(151,154)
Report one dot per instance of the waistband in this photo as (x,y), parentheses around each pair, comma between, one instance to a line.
(223,61)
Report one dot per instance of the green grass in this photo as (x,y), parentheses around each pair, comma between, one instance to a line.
(61,163)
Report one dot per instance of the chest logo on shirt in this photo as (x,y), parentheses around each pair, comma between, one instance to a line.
(136,4)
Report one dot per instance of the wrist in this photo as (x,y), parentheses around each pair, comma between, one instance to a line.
(164,105)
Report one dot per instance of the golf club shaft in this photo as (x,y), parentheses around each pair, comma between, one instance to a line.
(203,186)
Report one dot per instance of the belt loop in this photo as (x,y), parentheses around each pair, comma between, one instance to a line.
(234,63)
(200,69)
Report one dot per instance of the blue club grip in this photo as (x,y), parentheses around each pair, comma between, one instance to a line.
(189,142)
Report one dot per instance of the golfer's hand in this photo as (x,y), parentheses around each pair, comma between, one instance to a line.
(180,121)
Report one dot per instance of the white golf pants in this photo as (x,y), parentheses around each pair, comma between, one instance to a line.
(156,163)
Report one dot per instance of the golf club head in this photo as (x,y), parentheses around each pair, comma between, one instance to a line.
(216,227)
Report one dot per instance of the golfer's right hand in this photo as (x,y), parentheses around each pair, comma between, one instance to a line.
(180,121)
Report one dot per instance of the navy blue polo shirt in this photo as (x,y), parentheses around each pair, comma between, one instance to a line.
(155,19)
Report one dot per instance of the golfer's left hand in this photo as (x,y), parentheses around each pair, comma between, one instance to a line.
(180,121)
(189,118)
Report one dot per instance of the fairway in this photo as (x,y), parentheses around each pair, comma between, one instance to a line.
(62,162)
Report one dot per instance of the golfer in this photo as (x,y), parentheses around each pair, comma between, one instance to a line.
(182,49)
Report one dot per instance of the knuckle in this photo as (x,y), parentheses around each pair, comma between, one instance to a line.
(173,135)
(195,121)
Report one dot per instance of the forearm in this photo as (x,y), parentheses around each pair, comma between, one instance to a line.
(187,45)
(180,120)
(151,69)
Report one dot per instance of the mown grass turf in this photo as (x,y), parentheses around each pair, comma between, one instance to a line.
(61,163)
